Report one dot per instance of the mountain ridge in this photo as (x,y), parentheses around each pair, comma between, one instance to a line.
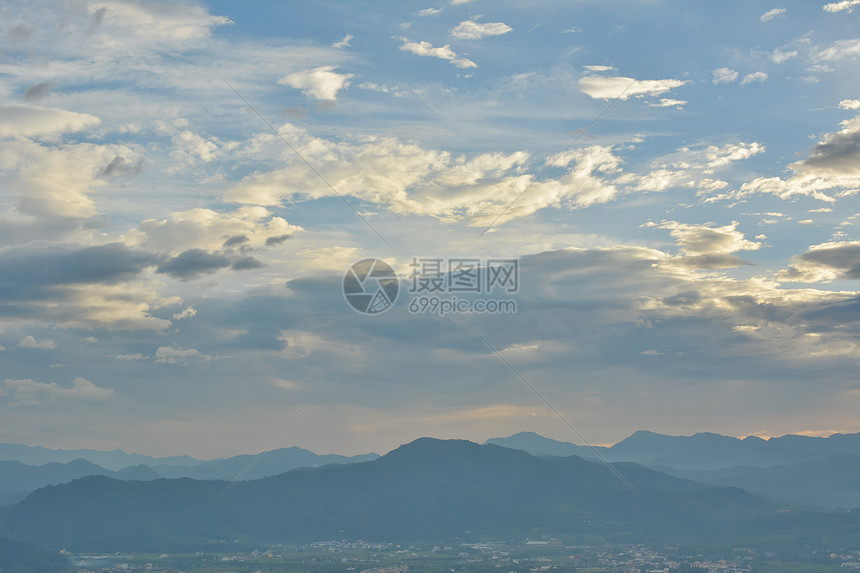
(427,489)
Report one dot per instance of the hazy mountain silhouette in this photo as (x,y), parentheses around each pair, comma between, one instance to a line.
(426,490)
(271,463)
(701,451)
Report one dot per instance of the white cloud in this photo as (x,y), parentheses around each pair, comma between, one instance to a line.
(754,77)
(243,228)
(30,342)
(178,355)
(344,42)
(778,56)
(28,392)
(666,102)
(471,30)
(708,239)
(429,12)
(724,76)
(844,5)
(839,50)
(598,68)
(319,83)
(610,87)
(771,14)
(189,312)
(445,52)
(850,103)
(128,24)
(21,120)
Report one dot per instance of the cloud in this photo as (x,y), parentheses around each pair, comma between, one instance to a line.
(844,5)
(666,102)
(178,355)
(211,230)
(778,56)
(839,50)
(22,120)
(772,14)
(321,83)
(850,103)
(128,357)
(753,78)
(445,52)
(825,262)
(429,12)
(38,91)
(28,392)
(127,24)
(610,87)
(708,239)
(837,154)
(724,76)
(471,30)
(187,313)
(72,285)
(193,263)
(833,163)
(30,342)
(408,179)
(599,68)
(344,43)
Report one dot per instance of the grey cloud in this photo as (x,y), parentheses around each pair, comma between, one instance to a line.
(236,240)
(20,33)
(838,154)
(27,274)
(193,263)
(120,166)
(841,257)
(38,91)
(246,263)
(277,240)
(96,19)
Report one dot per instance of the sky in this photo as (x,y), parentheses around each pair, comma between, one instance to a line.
(184,186)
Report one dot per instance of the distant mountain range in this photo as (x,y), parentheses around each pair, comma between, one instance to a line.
(702,451)
(426,490)
(17,479)
(807,471)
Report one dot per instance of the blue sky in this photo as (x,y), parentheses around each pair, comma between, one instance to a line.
(170,269)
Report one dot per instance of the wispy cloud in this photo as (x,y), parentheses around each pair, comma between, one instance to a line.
(445,52)
(772,14)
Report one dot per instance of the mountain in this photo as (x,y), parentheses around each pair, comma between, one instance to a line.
(701,451)
(18,479)
(829,483)
(271,463)
(538,445)
(426,490)
(114,460)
